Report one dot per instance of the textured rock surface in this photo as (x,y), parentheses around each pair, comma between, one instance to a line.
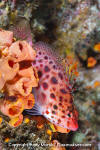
(73,27)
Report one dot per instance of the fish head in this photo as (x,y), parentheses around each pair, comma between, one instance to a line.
(71,120)
(63,114)
(54,94)
(67,113)
(67,116)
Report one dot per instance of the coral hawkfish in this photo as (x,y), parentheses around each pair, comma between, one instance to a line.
(53,98)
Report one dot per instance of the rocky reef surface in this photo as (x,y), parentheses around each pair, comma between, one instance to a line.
(72,27)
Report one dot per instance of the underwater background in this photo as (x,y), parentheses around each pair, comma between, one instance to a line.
(72,29)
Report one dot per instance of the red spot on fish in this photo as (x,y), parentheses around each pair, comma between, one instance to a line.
(53,112)
(47,112)
(63,111)
(39,74)
(52,95)
(63,91)
(59,121)
(45,85)
(66,100)
(45,57)
(39,53)
(41,65)
(54,67)
(71,101)
(46,69)
(54,89)
(50,104)
(50,62)
(40,61)
(54,80)
(63,116)
(55,106)
(60,76)
(60,104)
(47,76)
(60,98)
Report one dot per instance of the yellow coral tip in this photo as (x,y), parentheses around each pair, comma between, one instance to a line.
(7,140)
(93,103)
(26,120)
(97,47)
(52,127)
(96,84)
(1,120)
(40,126)
(91,62)
(49,132)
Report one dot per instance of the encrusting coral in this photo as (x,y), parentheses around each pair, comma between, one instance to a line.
(17,77)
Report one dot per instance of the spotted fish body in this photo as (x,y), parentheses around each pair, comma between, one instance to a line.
(53,95)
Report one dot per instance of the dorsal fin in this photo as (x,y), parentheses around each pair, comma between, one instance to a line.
(50,51)
(42,46)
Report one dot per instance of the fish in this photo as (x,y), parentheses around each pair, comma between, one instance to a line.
(53,96)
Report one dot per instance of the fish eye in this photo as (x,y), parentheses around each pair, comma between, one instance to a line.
(69,115)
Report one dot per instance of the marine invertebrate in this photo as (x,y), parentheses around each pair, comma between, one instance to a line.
(91,62)
(8,69)
(53,97)
(97,47)
(16,121)
(23,51)
(17,77)
(24,84)
(12,108)
(28,101)
(6,38)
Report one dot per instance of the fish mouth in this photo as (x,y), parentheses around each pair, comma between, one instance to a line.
(73,125)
